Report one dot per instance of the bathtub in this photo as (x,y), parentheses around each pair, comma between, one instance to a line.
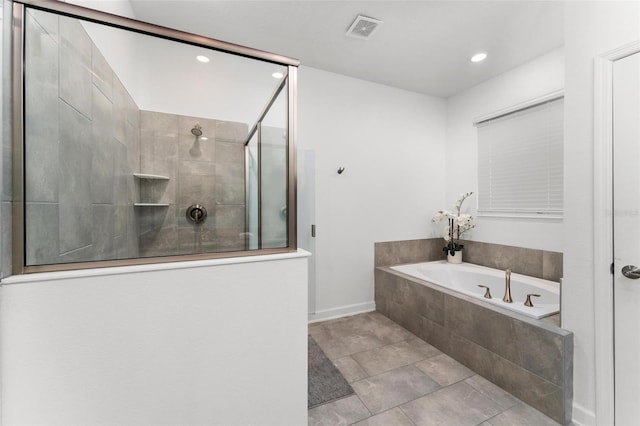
(465,278)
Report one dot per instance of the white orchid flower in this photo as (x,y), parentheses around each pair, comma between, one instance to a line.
(463,219)
(458,223)
(441,215)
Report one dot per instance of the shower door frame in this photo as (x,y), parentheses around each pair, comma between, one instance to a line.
(18,14)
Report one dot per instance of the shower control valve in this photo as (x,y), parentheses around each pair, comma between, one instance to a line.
(196,214)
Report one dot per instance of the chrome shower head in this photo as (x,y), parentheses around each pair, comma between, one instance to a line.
(197,129)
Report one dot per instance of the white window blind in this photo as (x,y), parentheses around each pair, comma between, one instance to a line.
(520,162)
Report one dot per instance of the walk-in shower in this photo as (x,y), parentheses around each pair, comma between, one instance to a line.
(127,149)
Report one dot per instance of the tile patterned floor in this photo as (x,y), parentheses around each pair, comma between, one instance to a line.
(400,380)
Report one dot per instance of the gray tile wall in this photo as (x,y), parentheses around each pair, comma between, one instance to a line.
(529,358)
(208,170)
(82,147)
(535,263)
(408,251)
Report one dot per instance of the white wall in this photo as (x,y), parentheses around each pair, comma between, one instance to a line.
(392,145)
(538,77)
(186,343)
(592,29)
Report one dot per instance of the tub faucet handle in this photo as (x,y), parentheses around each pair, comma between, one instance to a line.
(487,291)
(528,301)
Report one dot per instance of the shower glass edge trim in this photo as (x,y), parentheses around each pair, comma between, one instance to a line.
(18,253)
(96,16)
(17,128)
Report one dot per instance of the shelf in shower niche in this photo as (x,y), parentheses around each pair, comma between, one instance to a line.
(148,176)
(150,205)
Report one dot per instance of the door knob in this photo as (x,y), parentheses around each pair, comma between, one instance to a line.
(632,272)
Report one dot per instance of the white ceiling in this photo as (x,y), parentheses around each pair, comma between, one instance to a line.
(423,46)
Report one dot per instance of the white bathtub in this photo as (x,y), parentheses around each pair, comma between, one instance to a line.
(465,278)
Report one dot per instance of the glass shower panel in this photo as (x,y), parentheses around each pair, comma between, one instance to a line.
(135,144)
(273,174)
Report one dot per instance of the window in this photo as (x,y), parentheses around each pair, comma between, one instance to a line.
(520,160)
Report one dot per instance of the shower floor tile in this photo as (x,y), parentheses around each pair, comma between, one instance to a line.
(401,380)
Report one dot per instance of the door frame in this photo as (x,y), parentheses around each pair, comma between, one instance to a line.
(603,235)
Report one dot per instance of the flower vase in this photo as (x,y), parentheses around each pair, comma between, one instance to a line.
(457,258)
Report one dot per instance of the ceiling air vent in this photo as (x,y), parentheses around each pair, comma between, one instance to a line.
(363,27)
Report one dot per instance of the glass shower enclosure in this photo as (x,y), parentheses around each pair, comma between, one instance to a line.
(136,144)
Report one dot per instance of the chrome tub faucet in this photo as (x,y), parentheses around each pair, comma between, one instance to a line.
(507,290)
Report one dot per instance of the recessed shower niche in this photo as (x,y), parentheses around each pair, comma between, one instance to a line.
(124,131)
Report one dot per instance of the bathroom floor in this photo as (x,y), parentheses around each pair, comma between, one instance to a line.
(401,380)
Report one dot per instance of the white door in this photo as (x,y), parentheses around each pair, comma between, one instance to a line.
(626,143)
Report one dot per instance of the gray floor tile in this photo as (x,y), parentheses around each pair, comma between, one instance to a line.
(410,395)
(387,330)
(350,369)
(501,397)
(423,347)
(458,404)
(522,415)
(388,357)
(373,324)
(337,343)
(387,390)
(316,328)
(342,412)
(393,417)
(444,369)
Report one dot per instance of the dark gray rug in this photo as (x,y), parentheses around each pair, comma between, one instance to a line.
(326,383)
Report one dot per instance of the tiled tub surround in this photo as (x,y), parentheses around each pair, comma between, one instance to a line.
(208,170)
(534,263)
(529,358)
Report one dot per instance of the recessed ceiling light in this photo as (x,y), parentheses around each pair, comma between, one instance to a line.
(202,58)
(277,75)
(479,57)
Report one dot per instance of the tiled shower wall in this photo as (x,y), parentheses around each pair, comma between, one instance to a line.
(82,146)
(85,137)
(208,170)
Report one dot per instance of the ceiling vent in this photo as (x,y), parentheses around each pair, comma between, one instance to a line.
(363,27)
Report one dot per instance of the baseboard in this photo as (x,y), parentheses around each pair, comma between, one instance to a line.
(342,311)
(582,417)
